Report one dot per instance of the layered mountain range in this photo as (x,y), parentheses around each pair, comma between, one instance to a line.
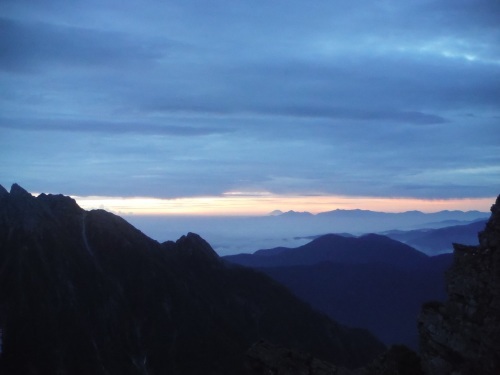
(233,235)
(460,336)
(84,292)
(434,241)
(370,281)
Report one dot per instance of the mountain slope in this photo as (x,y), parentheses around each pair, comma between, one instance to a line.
(438,241)
(383,299)
(372,281)
(86,293)
(370,248)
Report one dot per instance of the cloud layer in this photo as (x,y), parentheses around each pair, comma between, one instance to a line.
(192,98)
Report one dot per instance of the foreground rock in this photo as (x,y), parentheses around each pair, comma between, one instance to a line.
(462,336)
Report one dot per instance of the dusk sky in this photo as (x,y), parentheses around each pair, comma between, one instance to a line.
(245,102)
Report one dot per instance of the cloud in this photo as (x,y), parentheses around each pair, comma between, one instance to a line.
(193,98)
(25,44)
(107,127)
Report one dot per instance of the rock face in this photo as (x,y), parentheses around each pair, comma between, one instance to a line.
(84,292)
(462,336)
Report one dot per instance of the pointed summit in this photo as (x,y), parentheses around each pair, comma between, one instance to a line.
(18,191)
(195,246)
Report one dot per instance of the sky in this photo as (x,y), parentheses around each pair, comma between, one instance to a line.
(235,102)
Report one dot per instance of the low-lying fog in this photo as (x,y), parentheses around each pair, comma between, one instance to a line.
(232,235)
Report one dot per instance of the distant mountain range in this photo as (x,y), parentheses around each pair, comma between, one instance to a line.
(445,217)
(430,241)
(290,229)
(84,292)
(439,241)
(366,221)
(372,281)
(458,336)
(367,249)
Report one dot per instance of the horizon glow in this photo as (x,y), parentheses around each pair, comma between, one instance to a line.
(239,204)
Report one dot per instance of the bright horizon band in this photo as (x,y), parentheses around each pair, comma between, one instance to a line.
(255,204)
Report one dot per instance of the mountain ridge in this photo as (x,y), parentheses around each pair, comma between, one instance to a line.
(85,292)
(435,241)
(371,281)
(245,234)
(354,211)
(335,248)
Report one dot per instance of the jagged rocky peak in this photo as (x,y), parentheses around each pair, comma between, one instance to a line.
(194,246)
(20,205)
(18,191)
(462,336)
(60,203)
(19,208)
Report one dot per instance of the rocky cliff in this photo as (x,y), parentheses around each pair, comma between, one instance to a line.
(462,335)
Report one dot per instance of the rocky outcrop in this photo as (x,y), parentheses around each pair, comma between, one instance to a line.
(462,335)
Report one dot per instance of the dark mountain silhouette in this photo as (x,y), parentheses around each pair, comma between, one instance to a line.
(438,241)
(370,248)
(459,336)
(384,299)
(84,292)
(372,281)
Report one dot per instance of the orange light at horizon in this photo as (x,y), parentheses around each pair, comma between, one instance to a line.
(262,204)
